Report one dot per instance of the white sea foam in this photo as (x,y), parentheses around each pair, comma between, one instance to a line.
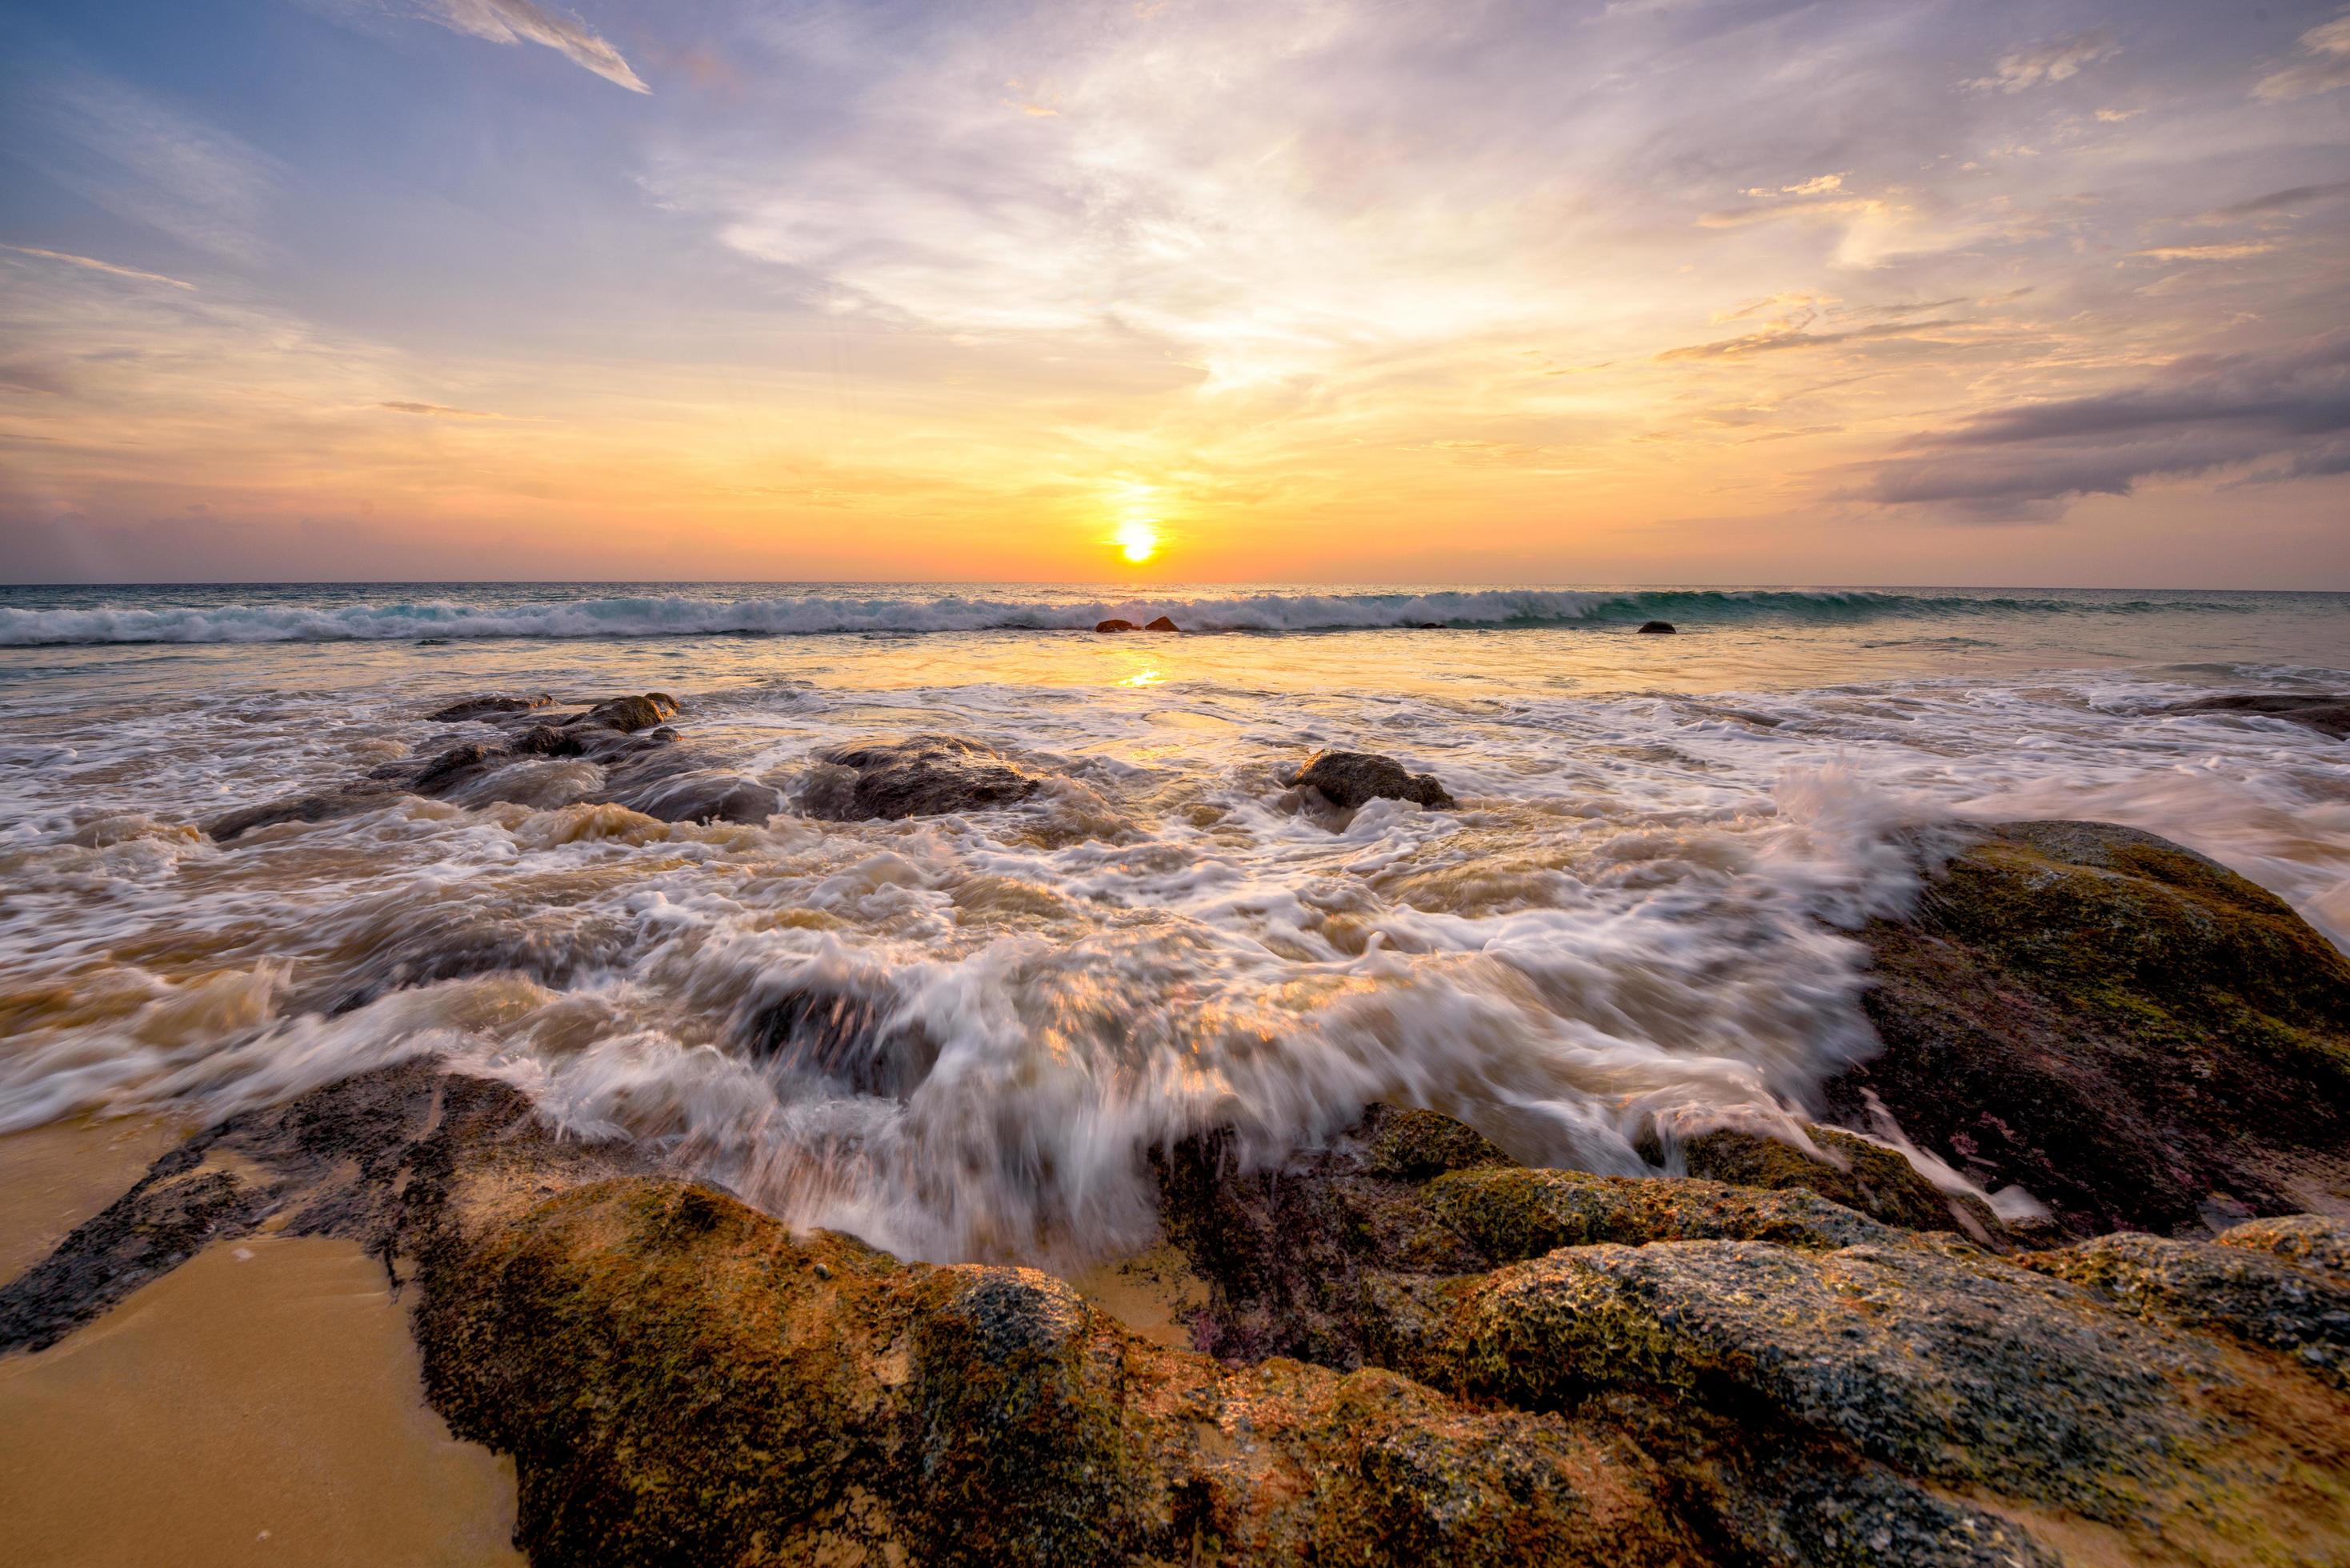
(1634,924)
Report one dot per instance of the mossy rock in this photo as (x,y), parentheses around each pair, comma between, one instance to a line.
(1512,1214)
(1873,1180)
(1943,1364)
(2133,1034)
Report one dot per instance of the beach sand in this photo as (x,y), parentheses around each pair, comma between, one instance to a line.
(260,1403)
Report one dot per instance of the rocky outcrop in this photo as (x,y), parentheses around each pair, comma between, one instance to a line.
(1350,779)
(1164,623)
(2133,1034)
(680,1379)
(2328,714)
(1114,624)
(922,775)
(1658,628)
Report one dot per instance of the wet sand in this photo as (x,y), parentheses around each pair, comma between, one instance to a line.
(260,1403)
(54,1178)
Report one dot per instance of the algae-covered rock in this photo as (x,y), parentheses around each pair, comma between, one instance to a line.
(2135,1035)
(1940,1363)
(1871,1179)
(1286,1247)
(2320,1240)
(1514,1214)
(2256,1297)
(920,775)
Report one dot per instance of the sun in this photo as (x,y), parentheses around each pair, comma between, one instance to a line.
(1138,541)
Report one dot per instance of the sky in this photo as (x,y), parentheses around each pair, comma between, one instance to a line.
(1648,291)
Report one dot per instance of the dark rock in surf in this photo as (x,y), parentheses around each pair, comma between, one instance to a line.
(2135,1035)
(489,707)
(1164,623)
(1658,628)
(1350,779)
(856,1040)
(1116,624)
(626,715)
(325,805)
(922,775)
(2328,715)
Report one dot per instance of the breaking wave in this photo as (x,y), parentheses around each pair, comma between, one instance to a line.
(358,615)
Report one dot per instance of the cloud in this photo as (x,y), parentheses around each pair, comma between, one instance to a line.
(2274,202)
(519,21)
(94,264)
(1771,341)
(2236,251)
(2327,45)
(438,411)
(141,161)
(2059,60)
(2290,412)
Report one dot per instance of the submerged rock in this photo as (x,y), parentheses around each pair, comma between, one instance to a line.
(489,706)
(922,775)
(2133,1034)
(1350,779)
(1659,628)
(2327,714)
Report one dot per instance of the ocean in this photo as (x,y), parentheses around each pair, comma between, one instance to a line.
(1633,928)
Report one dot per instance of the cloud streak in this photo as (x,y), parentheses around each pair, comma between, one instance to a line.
(2326,66)
(94,264)
(519,21)
(2056,61)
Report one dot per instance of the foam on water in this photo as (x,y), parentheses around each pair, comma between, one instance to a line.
(959,1037)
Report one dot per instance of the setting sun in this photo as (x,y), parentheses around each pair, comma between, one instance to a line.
(1138,541)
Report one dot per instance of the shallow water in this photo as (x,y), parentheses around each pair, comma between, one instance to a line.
(1632,920)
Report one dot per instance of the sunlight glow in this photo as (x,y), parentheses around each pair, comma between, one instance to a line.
(1138,541)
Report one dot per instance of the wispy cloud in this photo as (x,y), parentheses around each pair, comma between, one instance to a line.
(94,264)
(2284,201)
(132,155)
(2327,67)
(2237,252)
(519,21)
(2060,59)
(438,411)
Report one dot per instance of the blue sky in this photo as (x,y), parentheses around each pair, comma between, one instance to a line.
(1698,290)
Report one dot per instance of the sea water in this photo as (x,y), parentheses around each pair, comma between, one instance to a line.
(1636,926)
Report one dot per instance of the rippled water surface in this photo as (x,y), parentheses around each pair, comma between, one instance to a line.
(1634,919)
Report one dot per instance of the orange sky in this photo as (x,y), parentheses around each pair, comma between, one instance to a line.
(1631,292)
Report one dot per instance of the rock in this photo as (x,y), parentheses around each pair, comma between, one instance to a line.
(2317,1240)
(2132,1033)
(1514,1214)
(860,1043)
(1935,1362)
(1350,779)
(922,775)
(487,708)
(1114,625)
(2255,1296)
(1289,1249)
(679,1378)
(1874,1180)
(2328,715)
(325,805)
(1658,628)
(626,715)
(1163,623)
